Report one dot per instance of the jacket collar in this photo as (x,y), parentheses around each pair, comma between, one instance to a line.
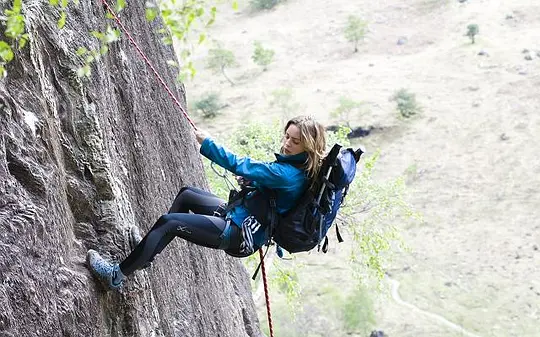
(299,158)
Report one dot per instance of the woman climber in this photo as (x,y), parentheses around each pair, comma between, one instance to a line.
(237,232)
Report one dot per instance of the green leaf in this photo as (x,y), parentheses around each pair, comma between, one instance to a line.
(81,51)
(96,34)
(181,77)
(5,51)
(22,42)
(62,20)
(103,50)
(167,40)
(192,69)
(3,72)
(202,37)
(15,26)
(89,59)
(180,35)
(84,71)
(109,15)
(213,12)
(64,3)
(235,5)
(120,4)
(53,2)
(190,19)
(111,35)
(151,14)
(17,5)
(166,12)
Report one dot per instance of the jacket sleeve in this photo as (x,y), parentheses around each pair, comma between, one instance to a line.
(271,175)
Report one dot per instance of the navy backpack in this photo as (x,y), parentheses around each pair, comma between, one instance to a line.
(305,226)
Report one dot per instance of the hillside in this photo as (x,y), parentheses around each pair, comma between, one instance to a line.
(470,156)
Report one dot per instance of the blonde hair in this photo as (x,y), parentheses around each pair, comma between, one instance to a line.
(313,138)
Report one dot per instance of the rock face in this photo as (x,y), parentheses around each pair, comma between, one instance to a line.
(83,160)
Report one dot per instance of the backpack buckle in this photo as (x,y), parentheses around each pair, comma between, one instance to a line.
(221,210)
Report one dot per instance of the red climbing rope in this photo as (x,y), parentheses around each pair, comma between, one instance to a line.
(266,295)
(109,8)
(111,11)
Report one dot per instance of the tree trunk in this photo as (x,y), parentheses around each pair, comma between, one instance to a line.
(83,160)
(225,74)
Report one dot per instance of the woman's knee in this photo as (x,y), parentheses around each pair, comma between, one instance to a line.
(162,220)
(178,204)
(183,189)
(171,221)
(165,218)
(181,192)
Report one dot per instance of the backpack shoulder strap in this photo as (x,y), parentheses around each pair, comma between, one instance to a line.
(237,198)
(274,216)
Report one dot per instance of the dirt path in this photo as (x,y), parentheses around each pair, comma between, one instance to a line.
(438,318)
(471,156)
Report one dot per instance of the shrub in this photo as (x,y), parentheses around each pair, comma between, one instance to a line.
(355,30)
(344,110)
(283,99)
(219,59)
(472,31)
(358,312)
(406,103)
(262,57)
(209,105)
(264,4)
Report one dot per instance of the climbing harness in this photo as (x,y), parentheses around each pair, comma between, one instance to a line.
(177,102)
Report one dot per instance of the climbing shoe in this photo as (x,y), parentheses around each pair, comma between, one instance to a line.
(107,273)
(134,237)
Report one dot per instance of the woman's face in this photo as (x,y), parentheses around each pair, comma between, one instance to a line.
(291,144)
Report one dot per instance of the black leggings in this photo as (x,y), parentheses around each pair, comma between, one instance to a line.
(200,228)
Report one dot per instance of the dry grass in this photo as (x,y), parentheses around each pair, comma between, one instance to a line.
(475,145)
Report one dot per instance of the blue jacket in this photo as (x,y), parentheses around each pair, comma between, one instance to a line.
(288,181)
